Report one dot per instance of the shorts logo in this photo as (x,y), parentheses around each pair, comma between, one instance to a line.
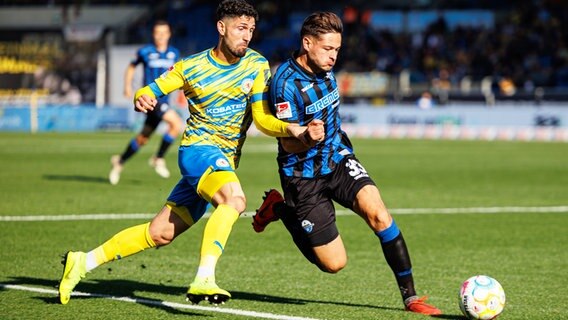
(246,85)
(308,226)
(283,110)
(222,162)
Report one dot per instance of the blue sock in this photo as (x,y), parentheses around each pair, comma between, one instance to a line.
(396,254)
(389,233)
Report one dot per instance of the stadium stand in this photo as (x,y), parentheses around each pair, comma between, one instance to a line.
(456,50)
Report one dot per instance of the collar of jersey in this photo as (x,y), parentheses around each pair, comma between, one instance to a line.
(220,64)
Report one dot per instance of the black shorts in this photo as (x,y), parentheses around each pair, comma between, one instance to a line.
(153,118)
(311,215)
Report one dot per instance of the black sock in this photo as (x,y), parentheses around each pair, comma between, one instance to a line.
(396,254)
(130,150)
(166,142)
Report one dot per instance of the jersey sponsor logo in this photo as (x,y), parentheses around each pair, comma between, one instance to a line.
(160,63)
(308,226)
(246,85)
(223,111)
(330,99)
(283,110)
(171,55)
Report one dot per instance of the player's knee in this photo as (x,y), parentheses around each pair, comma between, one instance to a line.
(379,220)
(160,235)
(333,266)
(141,140)
(238,202)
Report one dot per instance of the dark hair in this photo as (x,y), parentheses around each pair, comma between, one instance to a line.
(319,23)
(236,8)
(161,23)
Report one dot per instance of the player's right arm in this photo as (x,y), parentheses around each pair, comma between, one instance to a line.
(129,73)
(171,80)
(314,133)
(128,77)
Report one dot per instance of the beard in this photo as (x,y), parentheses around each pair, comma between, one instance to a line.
(238,52)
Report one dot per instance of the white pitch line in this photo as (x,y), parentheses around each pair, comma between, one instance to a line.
(245,313)
(341,212)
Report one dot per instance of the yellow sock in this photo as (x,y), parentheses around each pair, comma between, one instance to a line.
(215,237)
(123,244)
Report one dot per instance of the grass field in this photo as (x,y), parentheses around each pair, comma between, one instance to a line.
(66,174)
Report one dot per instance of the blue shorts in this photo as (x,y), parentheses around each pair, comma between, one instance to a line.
(193,162)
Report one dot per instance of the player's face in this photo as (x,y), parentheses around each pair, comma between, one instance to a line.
(161,35)
(322,52)
(236,34)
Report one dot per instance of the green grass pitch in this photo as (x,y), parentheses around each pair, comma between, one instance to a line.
(65,174)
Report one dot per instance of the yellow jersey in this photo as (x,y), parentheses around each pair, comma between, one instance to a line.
(223,99)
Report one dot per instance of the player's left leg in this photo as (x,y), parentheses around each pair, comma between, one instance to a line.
(174,122)
(226,194)
(353,188)
(212,176)
(369,205)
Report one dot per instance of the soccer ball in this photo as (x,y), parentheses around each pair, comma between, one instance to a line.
(481,297)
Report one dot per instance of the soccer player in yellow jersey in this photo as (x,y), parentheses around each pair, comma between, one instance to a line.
(226,88)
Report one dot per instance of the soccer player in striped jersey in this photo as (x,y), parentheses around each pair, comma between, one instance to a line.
(226,88)
(302,90)
(156,58)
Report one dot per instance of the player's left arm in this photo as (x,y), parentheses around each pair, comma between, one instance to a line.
(264,120)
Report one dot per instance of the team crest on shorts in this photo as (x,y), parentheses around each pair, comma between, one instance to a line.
(246,85)
(222,162)
(308,226)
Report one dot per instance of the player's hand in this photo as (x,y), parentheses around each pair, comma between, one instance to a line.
(315,132)
(145,103)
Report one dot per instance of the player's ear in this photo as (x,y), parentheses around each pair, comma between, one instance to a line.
(306,42)
(221,27)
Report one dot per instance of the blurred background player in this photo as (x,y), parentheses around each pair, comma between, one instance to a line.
(314,175)
(156,59)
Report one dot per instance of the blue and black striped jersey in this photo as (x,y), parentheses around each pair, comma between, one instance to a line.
(155,62)
(299,96)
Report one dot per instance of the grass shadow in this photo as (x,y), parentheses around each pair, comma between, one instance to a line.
(115,288)
(80,178)
(127,288)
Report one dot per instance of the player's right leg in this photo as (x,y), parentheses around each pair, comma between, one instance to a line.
(310,219)
(117,161)
(269,210)
(159,232)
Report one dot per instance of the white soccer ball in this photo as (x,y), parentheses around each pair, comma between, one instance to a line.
(481,297)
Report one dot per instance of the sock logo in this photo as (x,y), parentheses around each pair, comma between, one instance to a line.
(218,244)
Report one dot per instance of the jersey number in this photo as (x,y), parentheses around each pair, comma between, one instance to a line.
(356,170)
